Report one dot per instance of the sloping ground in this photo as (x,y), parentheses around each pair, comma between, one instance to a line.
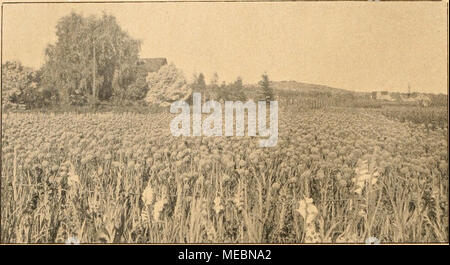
(305,87)
(290,88)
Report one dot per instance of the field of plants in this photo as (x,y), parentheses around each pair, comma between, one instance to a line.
(337,175)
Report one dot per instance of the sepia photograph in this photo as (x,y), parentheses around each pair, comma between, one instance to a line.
(224,123)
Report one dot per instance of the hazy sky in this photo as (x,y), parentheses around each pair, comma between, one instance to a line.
(360,46)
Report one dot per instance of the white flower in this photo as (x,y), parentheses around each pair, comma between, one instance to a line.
(147,195)
(363,177)
(218,205)
(73,179)
(72,241)
(372,241)
(159,207)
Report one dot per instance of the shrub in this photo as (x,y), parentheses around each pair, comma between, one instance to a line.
(19,85)
(166,86)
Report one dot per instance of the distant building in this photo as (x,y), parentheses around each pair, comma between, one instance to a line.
(382,95)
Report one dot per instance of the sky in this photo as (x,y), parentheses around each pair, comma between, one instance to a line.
(360,46)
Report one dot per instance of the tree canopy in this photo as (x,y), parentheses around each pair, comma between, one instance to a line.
(19,85)
(90,50)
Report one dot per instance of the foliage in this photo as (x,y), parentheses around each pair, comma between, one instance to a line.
(166,86)
(20,86)
(266,89)
(233,91)
(439,100)
(69,66)
(225,92)
(199,84)
(135,90)
(431,117)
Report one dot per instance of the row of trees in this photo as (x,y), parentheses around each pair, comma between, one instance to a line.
(94,59)
(169,85)
(216,91)
(233,91)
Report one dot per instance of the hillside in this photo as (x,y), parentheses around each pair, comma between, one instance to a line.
(290,87)
(305,87)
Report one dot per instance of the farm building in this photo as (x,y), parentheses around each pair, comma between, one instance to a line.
(382,95)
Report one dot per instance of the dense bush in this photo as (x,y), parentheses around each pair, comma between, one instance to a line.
(19,86)
(166,86)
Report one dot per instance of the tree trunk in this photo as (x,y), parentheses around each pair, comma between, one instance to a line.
(93,77)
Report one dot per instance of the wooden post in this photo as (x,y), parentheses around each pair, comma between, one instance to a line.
(93,75)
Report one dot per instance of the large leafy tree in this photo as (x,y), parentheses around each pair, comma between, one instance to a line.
(90,54)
